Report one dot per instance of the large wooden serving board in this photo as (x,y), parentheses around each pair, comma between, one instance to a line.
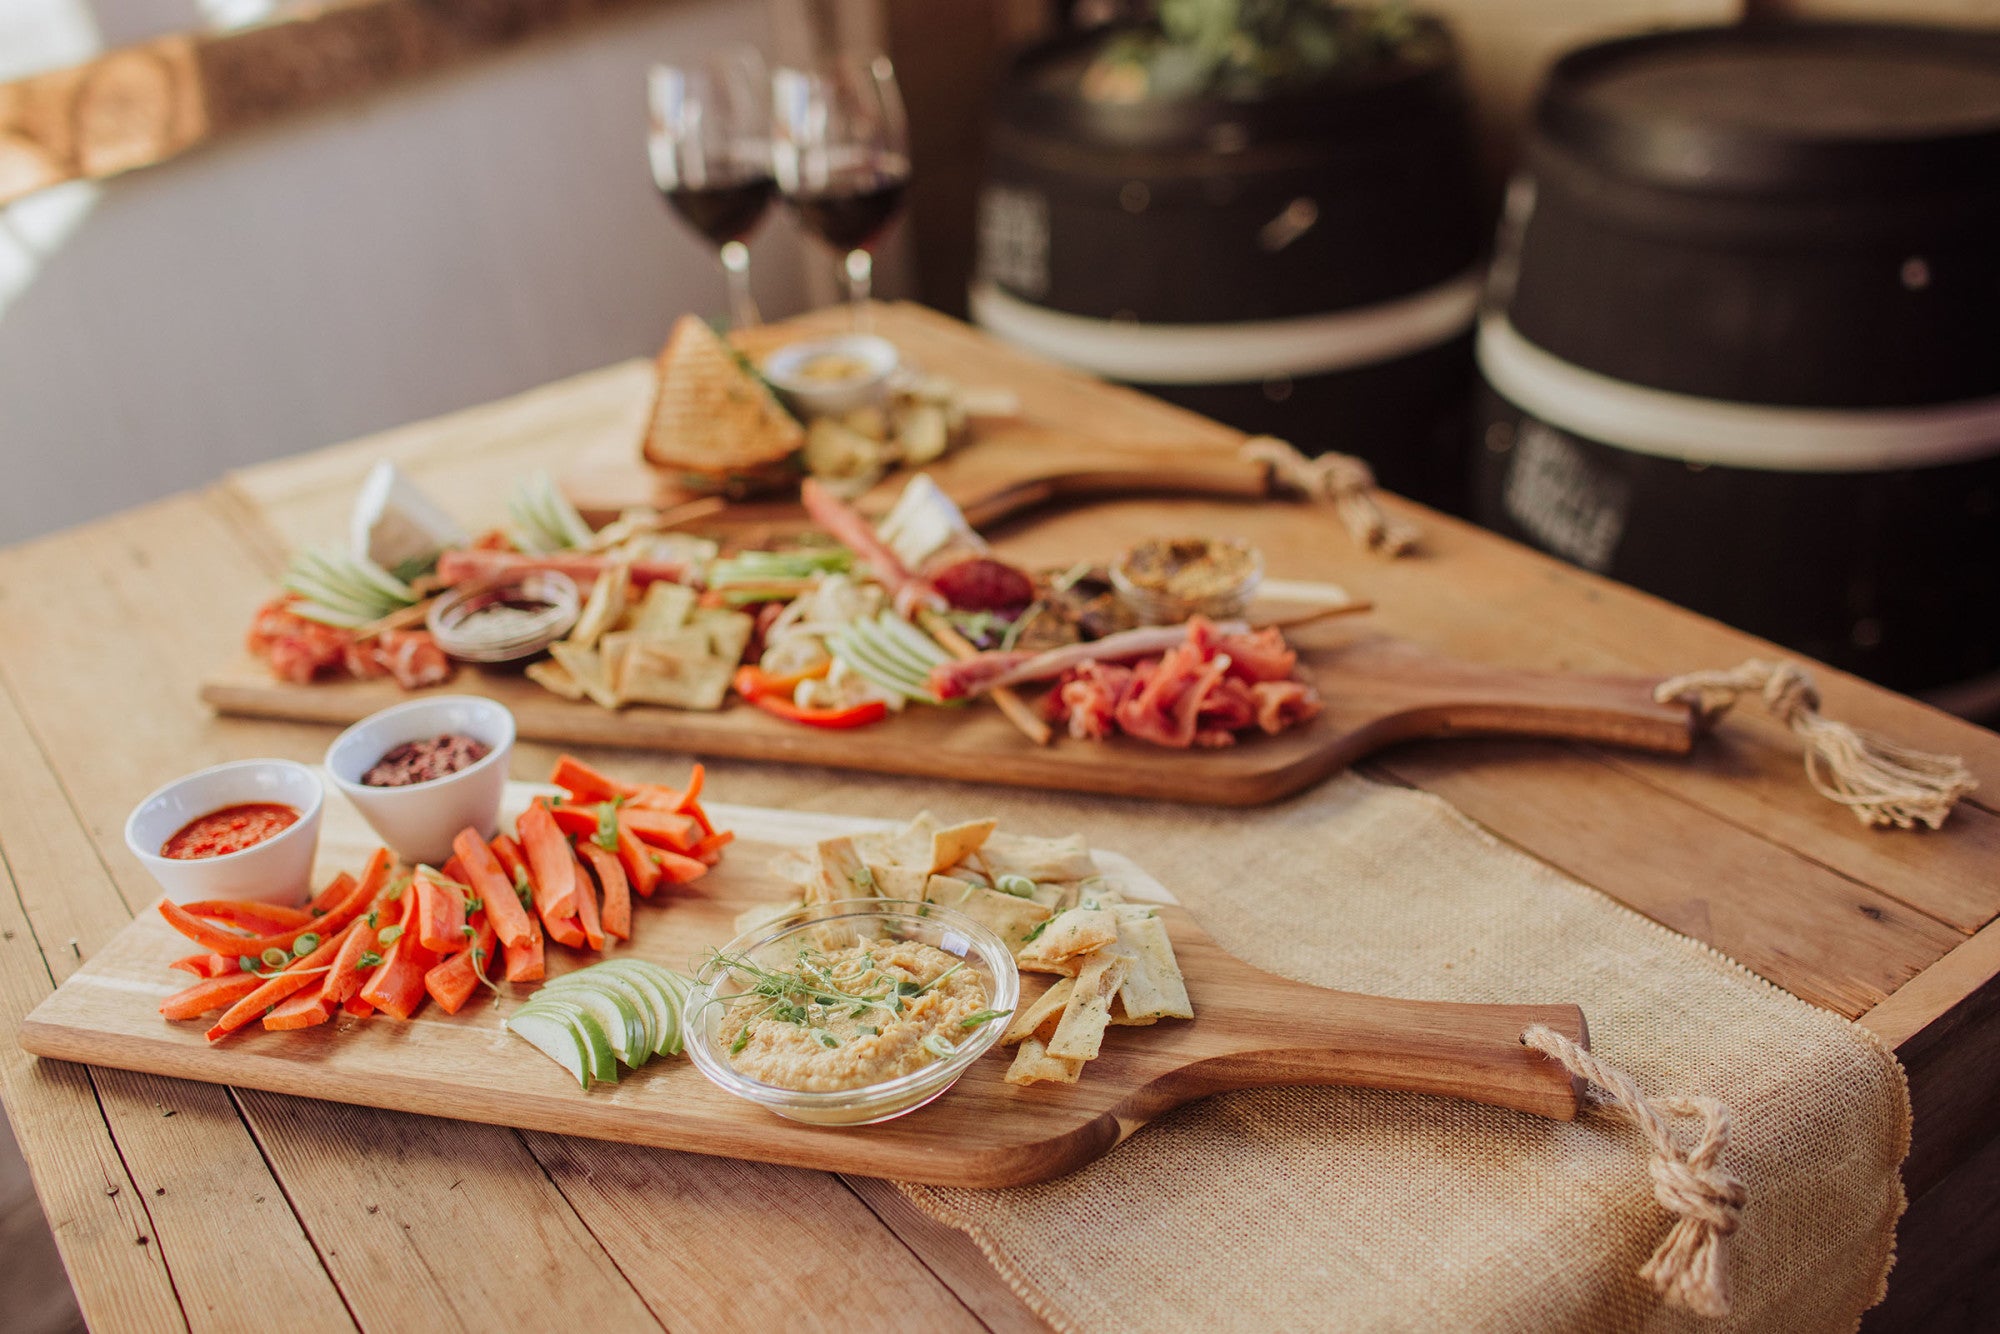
(1377,691)
(1252,1029)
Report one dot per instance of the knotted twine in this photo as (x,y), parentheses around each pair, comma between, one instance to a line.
(1690,1269)
(1881,781)
(1345,481)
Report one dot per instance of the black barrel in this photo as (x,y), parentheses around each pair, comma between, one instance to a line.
(1744,343)
(1301,264)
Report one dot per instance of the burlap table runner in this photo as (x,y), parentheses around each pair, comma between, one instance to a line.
(1344,1209)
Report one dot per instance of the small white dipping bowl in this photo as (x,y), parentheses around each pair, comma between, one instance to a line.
(808,396)
(278,870)
(418,822)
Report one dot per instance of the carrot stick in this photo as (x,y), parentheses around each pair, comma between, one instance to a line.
(550,859)
(566,931)
(640,869)
(231,944)
(709,850)
(453,870)
(357,1007)
(262,918)
(452,982)
(336,890)
(304,1010)
(440,912)
(299,975)
(525,962)
(575,821)
(586,909)
(616,914)
(396,988)
(668,829)
(493,886)
(209,995)
(207,964)
(584,783)
(676,869)
(348,972)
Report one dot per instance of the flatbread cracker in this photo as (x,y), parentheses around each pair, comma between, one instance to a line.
(602,608)
(1081,1032)
(1033,1065)
(952,845)
(838,873)
(1061,859)
(1153,987)
(1039,1019)
(555,678)
(1009,917)
(1071,933)
(726,632)
(665,609)
(677,671)
(586,668)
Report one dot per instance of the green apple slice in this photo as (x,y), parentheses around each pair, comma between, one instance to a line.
(597,1043)
(669,991)
(627,1015)
(556,1038)
(646,1042)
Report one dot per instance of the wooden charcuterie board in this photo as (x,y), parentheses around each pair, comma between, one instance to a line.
(1377,691)
(1252,1029)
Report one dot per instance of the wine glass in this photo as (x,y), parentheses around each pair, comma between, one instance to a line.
(710,148)
(841,152)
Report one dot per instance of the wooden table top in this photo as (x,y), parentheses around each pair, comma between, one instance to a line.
(179,1204)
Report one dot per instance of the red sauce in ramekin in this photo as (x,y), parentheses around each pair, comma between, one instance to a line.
(231,829)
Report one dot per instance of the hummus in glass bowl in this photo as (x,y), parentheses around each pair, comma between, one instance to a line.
(851,1013)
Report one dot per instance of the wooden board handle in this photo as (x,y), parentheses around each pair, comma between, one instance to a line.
(1450,1050)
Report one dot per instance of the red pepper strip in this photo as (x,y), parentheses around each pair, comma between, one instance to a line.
(676,869)
(440,912)
(231,944)
(397,987)
(494,887)
(752,680)
(587,915)
(554,865)
(575,821)
(666,829)
(849,715)
(524,961)
(585,784)
(299,975)
(336,890)
(301,1011)
(344,979)
(616,913)
(640,869)
(262,918)
(209,995)
(452,982)
(709,850)
(206,964)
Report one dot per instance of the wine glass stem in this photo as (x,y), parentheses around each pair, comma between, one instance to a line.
(736,270)
(860,284)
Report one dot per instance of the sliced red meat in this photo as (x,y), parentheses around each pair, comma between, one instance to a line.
(1089,699)
(1165,707)
(1230,707)
(1262,656)
(1282,704)
(478,565)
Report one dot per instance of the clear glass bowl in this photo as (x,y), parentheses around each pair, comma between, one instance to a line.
(835,926)
(1155,606)
(452,622)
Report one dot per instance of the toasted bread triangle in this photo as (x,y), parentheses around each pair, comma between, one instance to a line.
(712,415)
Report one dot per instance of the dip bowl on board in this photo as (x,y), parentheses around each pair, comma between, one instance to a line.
(276,870)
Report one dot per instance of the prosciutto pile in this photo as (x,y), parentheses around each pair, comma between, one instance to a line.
(300,650)
(1203,691)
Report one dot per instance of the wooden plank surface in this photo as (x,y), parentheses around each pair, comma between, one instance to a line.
(107,639)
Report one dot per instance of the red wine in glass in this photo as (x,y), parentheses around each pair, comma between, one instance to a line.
(723,210)
(852,213)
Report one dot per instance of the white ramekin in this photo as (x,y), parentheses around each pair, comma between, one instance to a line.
(418,822)
(277,870)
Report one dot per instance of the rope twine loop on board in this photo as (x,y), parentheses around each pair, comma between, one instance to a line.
(1690,1269)
(1345,481)
(1882,781)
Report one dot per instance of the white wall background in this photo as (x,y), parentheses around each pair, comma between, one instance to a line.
(471,235)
